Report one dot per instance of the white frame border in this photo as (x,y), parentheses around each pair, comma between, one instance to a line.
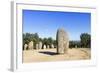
(16,54)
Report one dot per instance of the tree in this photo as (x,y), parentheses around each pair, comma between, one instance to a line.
(49,41)
(73,44)
(40,39)
(36,36)
(27,37)
(45,41)
(85,40)
(55,43)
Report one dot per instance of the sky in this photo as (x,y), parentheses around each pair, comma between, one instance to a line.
(46,23)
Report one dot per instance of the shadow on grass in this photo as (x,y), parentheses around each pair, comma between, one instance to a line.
(48,53)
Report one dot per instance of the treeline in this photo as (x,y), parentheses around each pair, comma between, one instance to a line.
(27,37)
(85,40)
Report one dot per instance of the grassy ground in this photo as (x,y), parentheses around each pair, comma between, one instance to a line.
(50,55)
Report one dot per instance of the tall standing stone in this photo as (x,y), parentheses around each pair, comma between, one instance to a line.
(62,41)
(40,45)
(30,45)
(25,46)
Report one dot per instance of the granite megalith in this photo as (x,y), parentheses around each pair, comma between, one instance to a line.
(62,41)
(30,45)
(40,45)
(25,47)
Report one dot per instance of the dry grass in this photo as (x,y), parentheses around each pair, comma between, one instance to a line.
(50,55)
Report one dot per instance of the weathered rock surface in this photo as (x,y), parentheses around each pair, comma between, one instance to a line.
(48,46)
(44,46)
(62,41)
(25,47)
(30,45)
(37,46)
(52,46)
(40,45)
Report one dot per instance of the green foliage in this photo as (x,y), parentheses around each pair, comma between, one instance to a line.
(27,37)
(49,41)
(74,44)
(45,41)
(55,43)
(85,40)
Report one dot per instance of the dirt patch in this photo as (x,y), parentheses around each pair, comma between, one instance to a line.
(51,55)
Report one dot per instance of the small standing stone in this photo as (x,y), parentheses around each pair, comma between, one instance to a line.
(48,46)
(44,47)
(52,46)
(40,45)
(25,47)
(37,46)
(30,45)
(75,46)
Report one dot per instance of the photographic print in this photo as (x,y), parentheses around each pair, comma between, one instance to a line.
(55,36)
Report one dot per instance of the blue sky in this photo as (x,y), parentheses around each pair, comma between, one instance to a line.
(46,23)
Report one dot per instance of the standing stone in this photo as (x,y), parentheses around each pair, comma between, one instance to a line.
(75,46)
(40,45)
(25,46)
(52,46)
(30,45)
(37,46)
(48,46)
(62,41)
(44,47)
